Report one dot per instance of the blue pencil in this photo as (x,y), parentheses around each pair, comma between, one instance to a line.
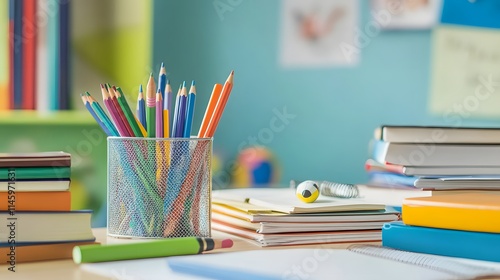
(182,111)
(162,80)
(175,119)
(190,110)
(102,115)
(141,108)
(96,118)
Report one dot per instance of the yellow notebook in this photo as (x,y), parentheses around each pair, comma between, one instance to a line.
(465,211)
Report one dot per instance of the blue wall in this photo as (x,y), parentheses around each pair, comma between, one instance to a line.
(336,109)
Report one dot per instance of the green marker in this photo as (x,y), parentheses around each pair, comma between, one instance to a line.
(150,249)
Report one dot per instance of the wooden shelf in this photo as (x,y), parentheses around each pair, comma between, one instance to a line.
(24,117)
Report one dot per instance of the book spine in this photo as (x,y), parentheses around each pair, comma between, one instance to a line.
(447,217)
(451,243)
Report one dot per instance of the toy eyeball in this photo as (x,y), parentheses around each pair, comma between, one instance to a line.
(307,191)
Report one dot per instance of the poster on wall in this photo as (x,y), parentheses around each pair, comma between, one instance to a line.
(407,14)
(319,33)
(465,73)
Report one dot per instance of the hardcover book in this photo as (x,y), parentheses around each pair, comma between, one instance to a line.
(438,134)
(445,242)
(465,211)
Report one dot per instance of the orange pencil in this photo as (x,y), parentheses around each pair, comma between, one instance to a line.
(210,109)
(219,108)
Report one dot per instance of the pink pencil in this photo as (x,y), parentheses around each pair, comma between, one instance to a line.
(112,112)
(159,115)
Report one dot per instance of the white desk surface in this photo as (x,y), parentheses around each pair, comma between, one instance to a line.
(67,270)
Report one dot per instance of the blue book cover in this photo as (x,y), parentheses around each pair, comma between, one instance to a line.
(444,242)
(472,13)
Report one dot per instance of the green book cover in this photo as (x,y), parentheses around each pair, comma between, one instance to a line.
(33,173)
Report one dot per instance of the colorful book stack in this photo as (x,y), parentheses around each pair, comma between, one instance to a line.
(454,225)
(275,216)
(35,42)
(35,208)
(434,160)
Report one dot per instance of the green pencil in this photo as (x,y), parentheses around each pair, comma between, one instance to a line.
(150,249)
(128,113)
(151,106)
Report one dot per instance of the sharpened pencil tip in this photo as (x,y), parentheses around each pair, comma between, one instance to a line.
(193,83)
(162,65)
(168,82)
(102,86)
(184,84)
(87,93)
(232,72)
(140,88)
(151,75)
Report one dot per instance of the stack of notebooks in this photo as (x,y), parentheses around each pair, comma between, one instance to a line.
(434,160)
(454,225)
(275,216)
(35,208)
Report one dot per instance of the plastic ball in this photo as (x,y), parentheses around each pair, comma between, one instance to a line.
(255,167)
(307,191)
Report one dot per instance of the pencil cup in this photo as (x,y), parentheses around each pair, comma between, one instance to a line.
(159,187)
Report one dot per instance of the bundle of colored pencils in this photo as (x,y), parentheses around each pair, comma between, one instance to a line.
(153,114)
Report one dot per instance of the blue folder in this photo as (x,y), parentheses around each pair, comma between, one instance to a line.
(452,243)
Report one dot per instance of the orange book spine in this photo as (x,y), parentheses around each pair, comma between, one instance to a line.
(35,201)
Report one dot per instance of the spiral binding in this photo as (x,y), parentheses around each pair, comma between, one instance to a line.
(340,190)
(456,268)
(334,189)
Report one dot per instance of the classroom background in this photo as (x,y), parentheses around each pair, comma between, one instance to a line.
(316,117)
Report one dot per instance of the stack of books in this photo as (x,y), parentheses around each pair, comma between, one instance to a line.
(454,225)
(275,216)
(35,208)
(424,161)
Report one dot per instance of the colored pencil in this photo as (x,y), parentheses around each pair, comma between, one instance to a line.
(112,112)
(114,100)
(102,115)
(94,115)
(182,111)
(141,127)
(219,108)
(152,249)
(159,115)
(122,101)
(216,91)
(167,110)
(141,108)
(162,80)
(190,110)
(175,119)
(150,106)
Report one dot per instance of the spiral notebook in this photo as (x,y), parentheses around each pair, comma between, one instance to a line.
(357,262)
(284,200)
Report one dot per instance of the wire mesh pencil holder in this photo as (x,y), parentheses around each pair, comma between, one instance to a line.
(159,187)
